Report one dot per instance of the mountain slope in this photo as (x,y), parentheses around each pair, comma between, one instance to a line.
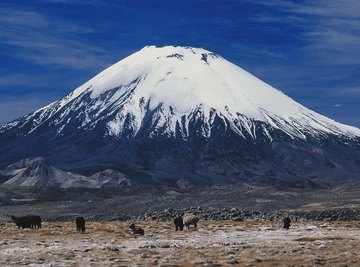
(172,113)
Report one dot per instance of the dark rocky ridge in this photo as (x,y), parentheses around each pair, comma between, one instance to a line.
(224,214)
(325,201)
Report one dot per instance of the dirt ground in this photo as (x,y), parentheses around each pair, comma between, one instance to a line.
(214,243)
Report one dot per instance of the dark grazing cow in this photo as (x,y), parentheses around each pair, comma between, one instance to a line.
(80,224)
(287,222)
(23,222)
(179,223)
(29,221)
(136,230)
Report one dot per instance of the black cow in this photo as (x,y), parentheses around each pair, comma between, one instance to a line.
(80,224)
(287,222)
(29,221)
(179,223)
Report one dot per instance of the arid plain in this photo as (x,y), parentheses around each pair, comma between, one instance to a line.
(214,243)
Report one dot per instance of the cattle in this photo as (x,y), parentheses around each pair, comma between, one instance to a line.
(80,224)
(179,223)
(136,230)
(29,221)
(190,220)
(287,222)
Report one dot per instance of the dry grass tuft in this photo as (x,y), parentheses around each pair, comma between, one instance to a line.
(311,238)
(307,239)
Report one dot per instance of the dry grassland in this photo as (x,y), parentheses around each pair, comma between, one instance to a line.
(224,243)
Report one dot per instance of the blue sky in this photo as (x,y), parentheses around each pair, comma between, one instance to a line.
(308,49)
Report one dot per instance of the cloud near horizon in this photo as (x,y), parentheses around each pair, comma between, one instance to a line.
(14,107)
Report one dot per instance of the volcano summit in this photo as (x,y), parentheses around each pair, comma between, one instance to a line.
(178,116)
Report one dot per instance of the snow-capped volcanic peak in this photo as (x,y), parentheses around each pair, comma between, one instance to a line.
(174,84)
(184,77)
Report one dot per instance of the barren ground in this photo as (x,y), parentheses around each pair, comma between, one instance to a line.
(214,243)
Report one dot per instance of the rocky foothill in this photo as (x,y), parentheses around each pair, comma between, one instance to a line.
(227,214)
(233,214)
(234,203)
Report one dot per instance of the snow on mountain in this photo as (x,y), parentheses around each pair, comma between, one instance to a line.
(178,84)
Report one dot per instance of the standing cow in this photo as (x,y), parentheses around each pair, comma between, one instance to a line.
(179,223)
(29,221)
(80,224)
(287,222)
(190,220)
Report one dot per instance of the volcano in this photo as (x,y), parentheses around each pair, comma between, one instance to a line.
(183,116)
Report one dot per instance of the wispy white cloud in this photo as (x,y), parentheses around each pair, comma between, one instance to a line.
(42,40)
(342,8)
(95,3)
(350,92)
(57,51)
(324,8)
(328,31)
(21,79)
(334,47)
(12,107)
(19,18)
